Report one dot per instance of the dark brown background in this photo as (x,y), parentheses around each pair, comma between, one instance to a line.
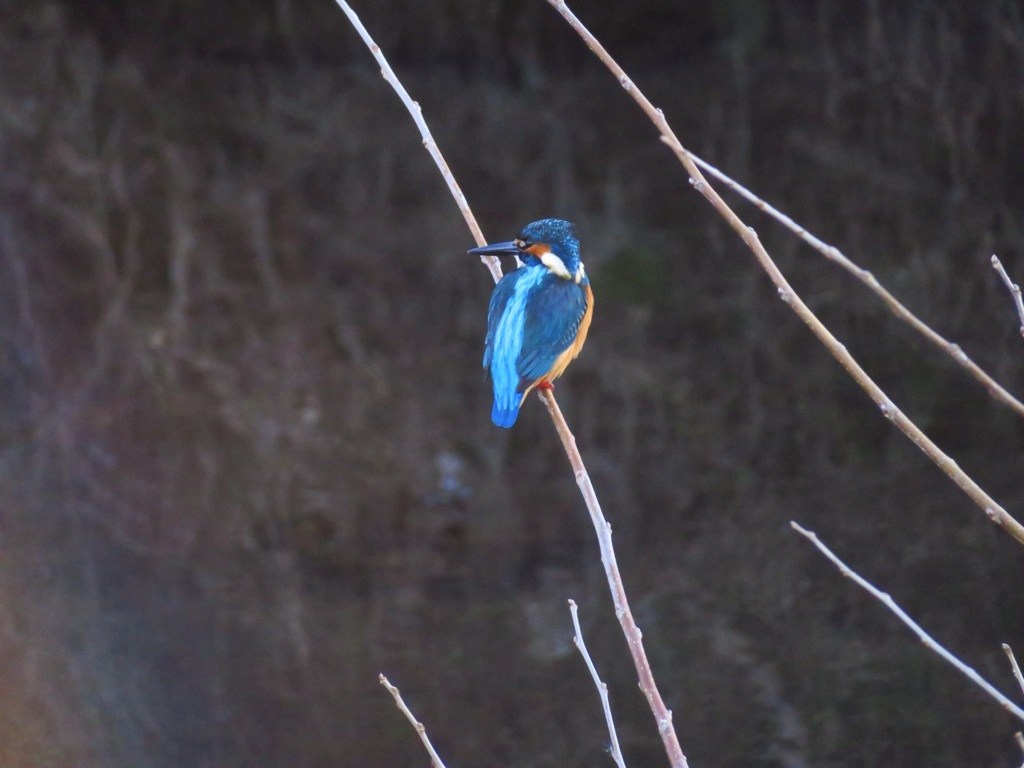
(246,462)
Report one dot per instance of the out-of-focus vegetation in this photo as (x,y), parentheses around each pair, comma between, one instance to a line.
(247,461)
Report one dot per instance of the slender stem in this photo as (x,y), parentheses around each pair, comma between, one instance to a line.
(421,729)
(1014,289)
(994,388)
(1013,665)
(788,295)
(492,262)
(634,637)
(602,687)
(925,638)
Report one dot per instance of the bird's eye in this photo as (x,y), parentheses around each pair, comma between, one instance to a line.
(521,244)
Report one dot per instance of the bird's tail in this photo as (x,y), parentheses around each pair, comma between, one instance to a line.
(504,417)
(506,408)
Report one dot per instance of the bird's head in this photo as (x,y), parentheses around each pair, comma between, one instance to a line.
(550,241)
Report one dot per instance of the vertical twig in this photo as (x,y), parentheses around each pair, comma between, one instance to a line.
(602,687)
(1013,666)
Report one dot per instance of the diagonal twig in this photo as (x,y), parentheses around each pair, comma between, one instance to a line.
(994,388)
(492,262)
(602,687)
(925,638)
(421,729)
(634,637)
(889,409)
(1014,289)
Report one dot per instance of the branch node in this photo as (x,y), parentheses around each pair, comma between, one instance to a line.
(958,354)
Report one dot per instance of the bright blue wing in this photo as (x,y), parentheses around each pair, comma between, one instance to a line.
(553,316)
(505,320)
(499,300)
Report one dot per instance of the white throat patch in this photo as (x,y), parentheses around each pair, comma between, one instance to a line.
(552,262)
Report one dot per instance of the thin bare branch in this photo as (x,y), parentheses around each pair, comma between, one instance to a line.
(634,637)
(435,760)
(788,295)
(1013,665)
(602,688)
(492,262)
(925,638)
(1014,289)
(994,388)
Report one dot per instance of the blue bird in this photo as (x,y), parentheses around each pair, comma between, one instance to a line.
(539,314)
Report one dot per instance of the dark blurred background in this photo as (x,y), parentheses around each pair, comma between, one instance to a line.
(246,461)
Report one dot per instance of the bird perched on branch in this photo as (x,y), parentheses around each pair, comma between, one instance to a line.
(539,314)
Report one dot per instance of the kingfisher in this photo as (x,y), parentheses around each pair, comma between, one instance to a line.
(539,314)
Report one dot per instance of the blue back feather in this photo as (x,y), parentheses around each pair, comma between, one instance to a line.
(552,320)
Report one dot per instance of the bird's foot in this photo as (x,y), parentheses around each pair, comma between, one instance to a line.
(546,385)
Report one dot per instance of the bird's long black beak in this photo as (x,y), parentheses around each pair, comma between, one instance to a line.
(498,249)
